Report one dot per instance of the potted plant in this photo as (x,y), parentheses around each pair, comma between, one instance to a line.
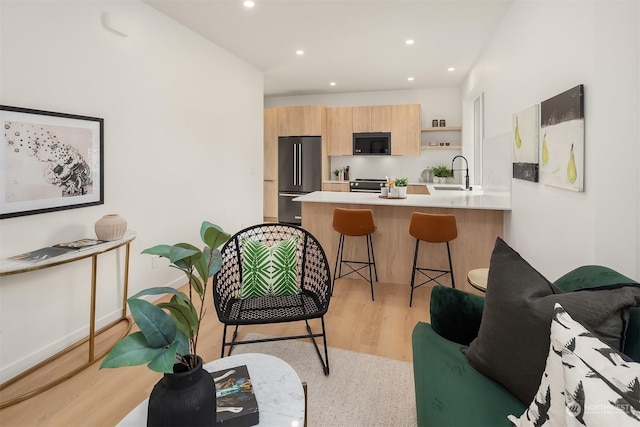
(441,173)
(401,185)
(168,337)
(336,172)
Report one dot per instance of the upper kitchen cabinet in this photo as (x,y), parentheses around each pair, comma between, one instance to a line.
(405,130)
(304,120)
(340,131)
(270,144)
(375,118)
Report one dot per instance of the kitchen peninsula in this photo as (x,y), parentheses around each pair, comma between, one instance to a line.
(479,217)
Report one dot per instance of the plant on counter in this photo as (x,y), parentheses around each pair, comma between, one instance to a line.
(442,172)
(401,182)
(169,337)
(336,172)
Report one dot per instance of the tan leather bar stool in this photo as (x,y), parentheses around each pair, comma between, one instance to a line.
(432,228)
(354,222)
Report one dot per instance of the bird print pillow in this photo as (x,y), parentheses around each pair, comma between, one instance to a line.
(585,382)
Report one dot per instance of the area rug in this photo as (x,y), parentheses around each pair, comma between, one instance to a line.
(361,389)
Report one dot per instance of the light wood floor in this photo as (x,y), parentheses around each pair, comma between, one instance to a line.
(103,397)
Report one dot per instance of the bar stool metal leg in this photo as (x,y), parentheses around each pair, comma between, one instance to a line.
(453,282)
(431,228)
(359,265)
(370,243)
(337,270)
(369,256)
(413,271)
(355,223)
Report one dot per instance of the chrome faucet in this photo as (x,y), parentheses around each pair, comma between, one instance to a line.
(466,178)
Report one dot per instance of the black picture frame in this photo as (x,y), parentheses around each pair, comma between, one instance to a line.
(49,161)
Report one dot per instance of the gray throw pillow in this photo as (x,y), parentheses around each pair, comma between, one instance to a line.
(513,340)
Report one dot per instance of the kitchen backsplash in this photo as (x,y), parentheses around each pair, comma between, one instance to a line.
(396,166)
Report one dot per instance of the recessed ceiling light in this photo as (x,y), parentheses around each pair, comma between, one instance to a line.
(409,42)
(410,79)
(248,3)
(332,84)
(451,69)
(299,52)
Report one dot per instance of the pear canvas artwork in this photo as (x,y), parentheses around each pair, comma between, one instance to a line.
(525,144)
(562,140)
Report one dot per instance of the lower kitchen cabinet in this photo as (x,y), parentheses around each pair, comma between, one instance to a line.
(270,201)
(417,189)
(335,186)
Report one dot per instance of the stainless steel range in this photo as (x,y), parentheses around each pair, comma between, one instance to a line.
(364,185)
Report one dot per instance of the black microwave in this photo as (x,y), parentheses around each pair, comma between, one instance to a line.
(372,143)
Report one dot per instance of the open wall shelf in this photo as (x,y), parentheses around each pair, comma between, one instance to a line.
(443,129)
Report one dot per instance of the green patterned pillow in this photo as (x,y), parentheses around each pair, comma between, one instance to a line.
(269,270)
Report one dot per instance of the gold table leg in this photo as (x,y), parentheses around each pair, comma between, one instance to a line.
(90,339)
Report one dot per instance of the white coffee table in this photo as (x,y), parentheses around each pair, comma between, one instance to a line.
(277,387)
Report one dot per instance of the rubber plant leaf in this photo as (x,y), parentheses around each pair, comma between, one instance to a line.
(164,361)
(196,282)
(212,234)
(159,250)
(185,255)
(216,264)
(184,313)
(173,253)
(131,350)
(158,327)
(161,290)
(183,343)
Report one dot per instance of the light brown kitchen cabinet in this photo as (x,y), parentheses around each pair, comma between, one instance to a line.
(405,130)
(417,189)
(270,201)
(335,186)
(374,118)
(305,120)
(340,131)
(270,168)
(270,144)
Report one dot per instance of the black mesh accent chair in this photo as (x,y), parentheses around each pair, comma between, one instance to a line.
(314,278)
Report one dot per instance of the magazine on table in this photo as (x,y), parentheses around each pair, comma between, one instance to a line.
(235,402)
(57,250)
(42,254)
(80,245)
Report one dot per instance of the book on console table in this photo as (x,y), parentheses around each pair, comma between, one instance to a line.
(79,245)
(236,405)
(57,250)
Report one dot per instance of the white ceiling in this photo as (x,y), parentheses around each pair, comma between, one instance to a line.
(359,44)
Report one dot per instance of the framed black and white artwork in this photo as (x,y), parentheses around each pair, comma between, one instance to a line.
(562,140)
(49,161)
(525,144)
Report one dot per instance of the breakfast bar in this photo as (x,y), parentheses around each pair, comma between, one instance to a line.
(479,216)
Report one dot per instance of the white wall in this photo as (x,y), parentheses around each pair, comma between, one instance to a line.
(434,104)
(180,116)
(541,49)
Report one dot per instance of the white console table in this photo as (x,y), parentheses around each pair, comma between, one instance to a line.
(9,267)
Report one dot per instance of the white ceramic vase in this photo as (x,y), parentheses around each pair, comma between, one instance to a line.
(111,227)
(402,191)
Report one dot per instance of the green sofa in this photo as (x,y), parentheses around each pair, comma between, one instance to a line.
(449,392)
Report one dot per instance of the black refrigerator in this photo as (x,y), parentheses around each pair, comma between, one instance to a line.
(299,172)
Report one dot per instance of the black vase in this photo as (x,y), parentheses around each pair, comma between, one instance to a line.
(184,398)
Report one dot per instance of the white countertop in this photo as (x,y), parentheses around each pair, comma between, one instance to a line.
(474,199)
